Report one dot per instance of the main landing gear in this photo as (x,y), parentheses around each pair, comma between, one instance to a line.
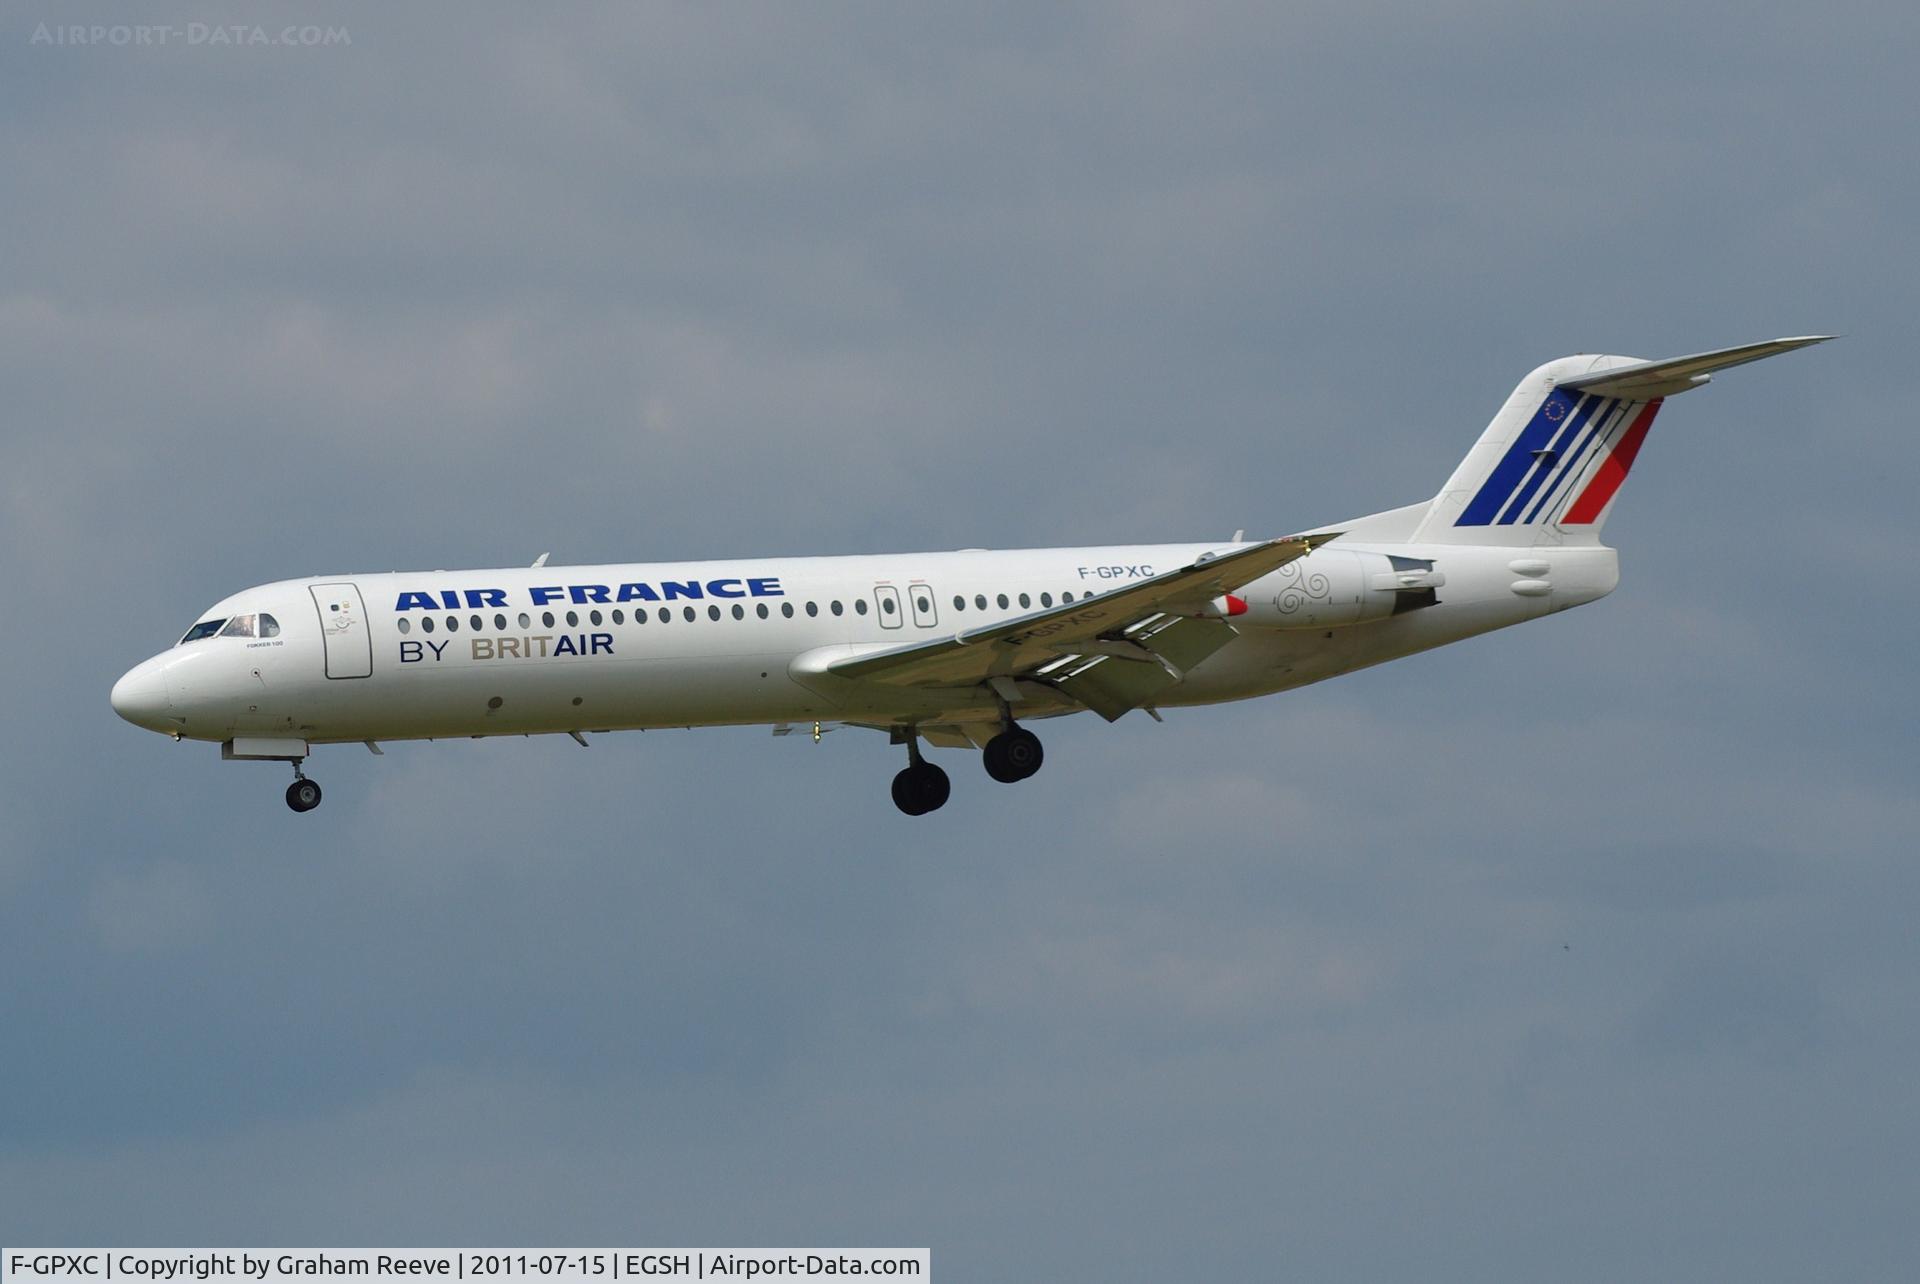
(302,794)
(920,787)
(1013,755)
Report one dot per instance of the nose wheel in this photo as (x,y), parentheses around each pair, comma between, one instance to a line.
(302,794)
(1013,755)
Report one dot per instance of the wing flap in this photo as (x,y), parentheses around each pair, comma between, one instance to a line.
(1111,684)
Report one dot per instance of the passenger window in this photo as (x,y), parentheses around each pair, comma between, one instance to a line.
(477,623)
(593,617)
(666,615)
(406,625)
(619,616)
(923,604)
(1025,601)
(713,613)
(1067,598)
(760,609)
(1002,600)
(859,606)
(687,612)
(739,611)
(500,622)
(980,600)
(525,622)
(453,624)
(240,626)
(573,619)
(786,609)
(959,603)
(1046,599)
(204,629)
(546,618)
(426,624)
(836,607)
(813,608)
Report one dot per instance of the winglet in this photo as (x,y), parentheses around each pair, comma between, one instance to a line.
(1646,380)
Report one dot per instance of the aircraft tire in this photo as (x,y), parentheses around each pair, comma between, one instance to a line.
(303,795)
(935,787)
(921,788)
(1013,755)
(905,797)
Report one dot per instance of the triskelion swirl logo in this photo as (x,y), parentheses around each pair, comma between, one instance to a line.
(1299,587)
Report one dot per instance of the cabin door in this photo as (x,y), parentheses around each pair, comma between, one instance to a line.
(343,625)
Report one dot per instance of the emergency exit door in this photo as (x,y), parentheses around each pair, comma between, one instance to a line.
(886,599)
(343,626)
(925,614)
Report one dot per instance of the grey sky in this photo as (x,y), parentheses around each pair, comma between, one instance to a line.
(1583,951)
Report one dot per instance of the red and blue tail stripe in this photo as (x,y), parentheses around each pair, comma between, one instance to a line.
(1612,471)
(1589,410)
(1574,459)
(1548,458)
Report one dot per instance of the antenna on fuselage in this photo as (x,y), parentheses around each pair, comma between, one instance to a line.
(541,560)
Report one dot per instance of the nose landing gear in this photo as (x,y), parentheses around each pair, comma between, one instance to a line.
(302,794)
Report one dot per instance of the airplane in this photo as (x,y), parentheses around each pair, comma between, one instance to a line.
(961,650)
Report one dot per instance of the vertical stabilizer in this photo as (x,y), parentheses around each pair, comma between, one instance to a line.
(1549,466)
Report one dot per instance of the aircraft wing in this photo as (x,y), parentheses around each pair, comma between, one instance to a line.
(1112,651)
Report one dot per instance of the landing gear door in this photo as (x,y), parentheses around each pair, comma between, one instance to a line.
(343,624)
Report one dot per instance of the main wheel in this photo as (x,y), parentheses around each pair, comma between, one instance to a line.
(303,795)
(934,787)
(921,788)
(1013,755)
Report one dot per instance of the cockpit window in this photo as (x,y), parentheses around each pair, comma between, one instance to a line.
(237,626)
(204,629)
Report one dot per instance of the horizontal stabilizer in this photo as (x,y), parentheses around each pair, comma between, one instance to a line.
(1646,380)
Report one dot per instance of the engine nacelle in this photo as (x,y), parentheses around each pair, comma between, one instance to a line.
(1332,587)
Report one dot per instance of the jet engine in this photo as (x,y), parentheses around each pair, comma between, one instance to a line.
(1331,588)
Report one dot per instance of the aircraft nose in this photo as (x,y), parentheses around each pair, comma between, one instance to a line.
(140,696)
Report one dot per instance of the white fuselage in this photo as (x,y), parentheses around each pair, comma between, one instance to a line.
(596,648)
(952,649)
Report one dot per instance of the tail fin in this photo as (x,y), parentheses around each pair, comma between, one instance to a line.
(1548,467)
